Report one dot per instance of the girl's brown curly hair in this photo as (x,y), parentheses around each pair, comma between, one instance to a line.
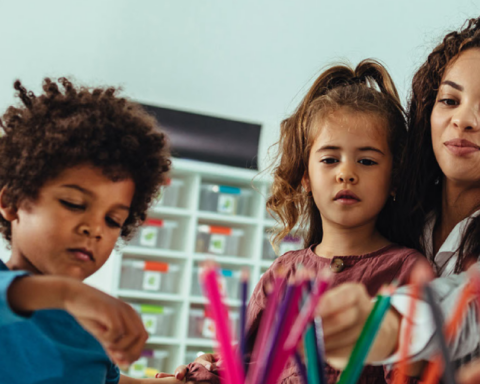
(67,127)
(421,188)
(366,89)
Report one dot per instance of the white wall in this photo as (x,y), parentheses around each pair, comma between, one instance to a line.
(250,60)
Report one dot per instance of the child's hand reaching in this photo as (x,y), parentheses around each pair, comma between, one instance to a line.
(112,322)
(344,310)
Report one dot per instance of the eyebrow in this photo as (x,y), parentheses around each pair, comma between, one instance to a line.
(90,193)
(452,84)
(335,148)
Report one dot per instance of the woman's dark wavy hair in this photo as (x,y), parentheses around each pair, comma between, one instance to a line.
(69,126)
(421,188)
(366,89)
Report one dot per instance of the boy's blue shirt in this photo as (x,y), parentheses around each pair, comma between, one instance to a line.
(48,347)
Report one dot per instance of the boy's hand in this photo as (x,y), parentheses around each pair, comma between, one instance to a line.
(112,322)
(344,310)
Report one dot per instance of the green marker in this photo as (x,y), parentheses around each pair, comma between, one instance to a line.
(359,354)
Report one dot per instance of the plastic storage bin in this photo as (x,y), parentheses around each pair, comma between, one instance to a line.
(151,276)
(150,362)
(289,243)
(155,233)
(218,240)
(156,319)
(229,281)
(225,199)
(170,193)
(192,355)
(201,325)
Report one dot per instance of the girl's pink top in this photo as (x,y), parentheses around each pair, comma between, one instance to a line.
(373,270)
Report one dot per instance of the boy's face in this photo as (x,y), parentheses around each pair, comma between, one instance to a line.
(72,228)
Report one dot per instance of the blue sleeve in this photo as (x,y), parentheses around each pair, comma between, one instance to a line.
(113,375)
(7,316)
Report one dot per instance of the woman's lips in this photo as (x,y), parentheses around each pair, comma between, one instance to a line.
(461,147)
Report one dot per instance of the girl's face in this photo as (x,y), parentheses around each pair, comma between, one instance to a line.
(73,225)
(349,169)
(455,120)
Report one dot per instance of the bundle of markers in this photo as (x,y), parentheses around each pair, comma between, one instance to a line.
(288,320)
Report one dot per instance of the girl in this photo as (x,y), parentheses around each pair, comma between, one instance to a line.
(338,164)
(440,198)
(78,169)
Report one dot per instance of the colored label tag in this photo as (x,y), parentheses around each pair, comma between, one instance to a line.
(148,236)
(208,329)
(222,285)
(151,281)
(150,323)
(226,203)
(217,244)
(137,369)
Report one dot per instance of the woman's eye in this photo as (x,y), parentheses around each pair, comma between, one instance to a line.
(367,162)
(329,160)
(72,206)
(449,102)
(113,223)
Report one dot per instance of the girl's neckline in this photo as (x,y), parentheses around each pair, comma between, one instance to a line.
(355,257)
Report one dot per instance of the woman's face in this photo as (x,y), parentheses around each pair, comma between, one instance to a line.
(455,120)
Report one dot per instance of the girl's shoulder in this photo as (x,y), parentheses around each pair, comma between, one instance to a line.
(403,252)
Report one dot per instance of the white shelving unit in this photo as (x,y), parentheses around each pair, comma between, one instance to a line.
(182,251)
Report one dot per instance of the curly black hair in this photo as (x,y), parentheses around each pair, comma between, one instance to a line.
(420,191)
(63,128)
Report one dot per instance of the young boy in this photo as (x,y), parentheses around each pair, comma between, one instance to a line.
(78,169)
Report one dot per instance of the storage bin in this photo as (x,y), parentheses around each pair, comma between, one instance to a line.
(229,281)
(155,233)
(151,276)
(190,355)
(170,193)
(156,319)
(201,325)
(218,240)
(225,199)
(289,243)
(151,360)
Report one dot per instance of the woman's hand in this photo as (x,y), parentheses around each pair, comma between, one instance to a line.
(344,310)
(470,373)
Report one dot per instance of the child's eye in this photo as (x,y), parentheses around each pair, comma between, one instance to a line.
(113,223)
(329,160)
(367,162)
(448,102)
(72,206)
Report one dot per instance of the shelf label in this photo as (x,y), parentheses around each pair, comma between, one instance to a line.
(150,323)
(151,280)
(217,244)
(137,369)
(208,329)
(148,236)
(222,285)
(226,203)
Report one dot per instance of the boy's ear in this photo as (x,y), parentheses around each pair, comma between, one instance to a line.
(306,183)
(7,211)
